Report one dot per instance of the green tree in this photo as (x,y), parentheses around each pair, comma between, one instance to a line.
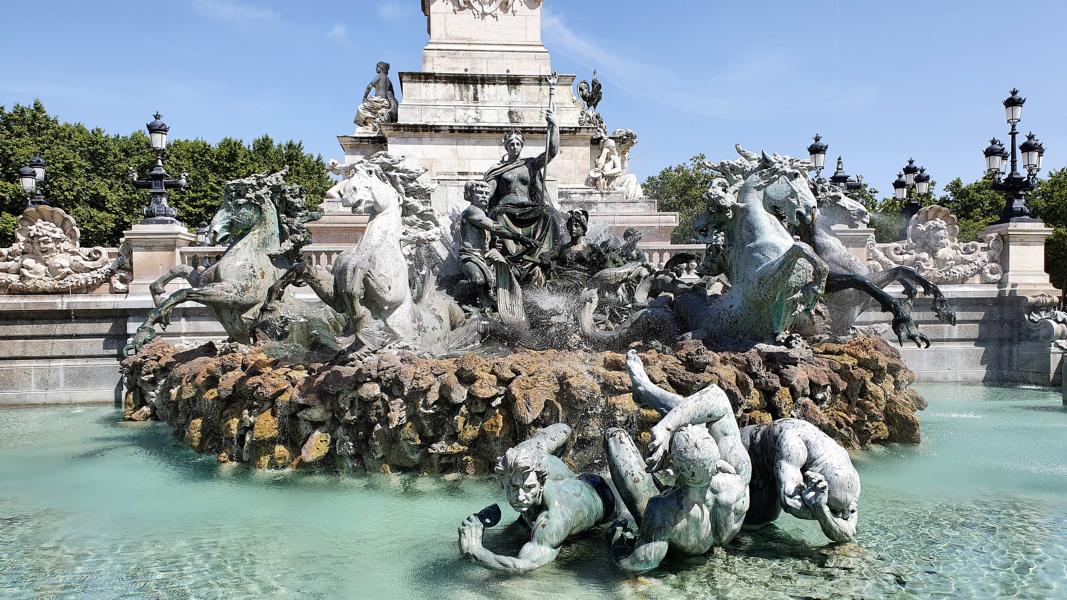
(681,188)
(977,205)
(88,172)
(1049,203)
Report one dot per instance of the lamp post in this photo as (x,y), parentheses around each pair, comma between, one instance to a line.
(31,176)
(817,155)
(911,184)
(1014,185)
(203,234)
(157,210)
(843,180)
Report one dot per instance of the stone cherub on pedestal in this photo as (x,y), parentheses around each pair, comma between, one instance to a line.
(706,505)
(46,259)
(552,502)
(380,108)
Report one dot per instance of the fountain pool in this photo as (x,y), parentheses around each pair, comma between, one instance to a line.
(94,508)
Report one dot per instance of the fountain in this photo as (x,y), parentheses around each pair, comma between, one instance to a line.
(493,334)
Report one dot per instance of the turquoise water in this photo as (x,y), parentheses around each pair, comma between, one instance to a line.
(91,508)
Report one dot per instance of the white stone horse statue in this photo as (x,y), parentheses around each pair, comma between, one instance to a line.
(371,283)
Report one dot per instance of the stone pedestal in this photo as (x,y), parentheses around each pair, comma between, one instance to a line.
(854,239)
(468,37)
(338,226)
(155,250)
(1023,257)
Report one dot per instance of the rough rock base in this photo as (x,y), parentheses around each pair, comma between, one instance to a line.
(400,412)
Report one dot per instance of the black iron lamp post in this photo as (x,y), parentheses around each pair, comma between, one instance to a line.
(157,210)
(203,236)
(1015,185)
(843,180)
(817,155)
(31,176)
(912,178)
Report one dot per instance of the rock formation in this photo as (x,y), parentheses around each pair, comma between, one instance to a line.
(402,412)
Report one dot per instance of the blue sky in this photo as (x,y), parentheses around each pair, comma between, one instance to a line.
(881,81)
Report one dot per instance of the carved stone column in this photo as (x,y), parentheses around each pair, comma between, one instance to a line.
(155,251)
(854,239)
(1023,257)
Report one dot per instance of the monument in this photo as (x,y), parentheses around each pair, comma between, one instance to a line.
(485,73)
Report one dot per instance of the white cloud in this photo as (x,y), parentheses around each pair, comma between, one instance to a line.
(395,9)
(338,33)
(234,11)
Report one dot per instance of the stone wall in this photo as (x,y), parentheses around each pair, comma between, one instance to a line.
(63,349)
(990,342)
(405,413)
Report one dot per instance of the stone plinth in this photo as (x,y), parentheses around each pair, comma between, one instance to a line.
(1023,257)
(854,239)
(484,99)
(466,37)
(613,209)
(337,227)
(990,342)
(155,251)
(66,348)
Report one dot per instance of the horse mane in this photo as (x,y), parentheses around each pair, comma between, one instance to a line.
(422,225)
(728,176)
(289,203)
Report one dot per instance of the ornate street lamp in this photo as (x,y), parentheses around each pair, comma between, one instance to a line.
(38,164)
(31,175)
(27,179)
(1015,184)
(900,187)
(922,182)
(202,234)
(157,210)
(817,154)
(840,177)
(157,132)
(994,156)
(910,170)
(911,178)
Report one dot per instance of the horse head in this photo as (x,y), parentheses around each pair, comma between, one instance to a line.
(783,182)
(240,212)
(254,203)
(370,191)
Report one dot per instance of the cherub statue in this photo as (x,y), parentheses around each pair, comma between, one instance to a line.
(45,252)
(799,469)
(706,505)
(382,107)
(551,500)
(46,257)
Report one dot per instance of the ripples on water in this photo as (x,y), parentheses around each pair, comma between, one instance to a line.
(94,509)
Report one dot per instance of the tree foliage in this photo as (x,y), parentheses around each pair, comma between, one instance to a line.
(88,172)
(681,188)
(976,205)
(1049,203)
